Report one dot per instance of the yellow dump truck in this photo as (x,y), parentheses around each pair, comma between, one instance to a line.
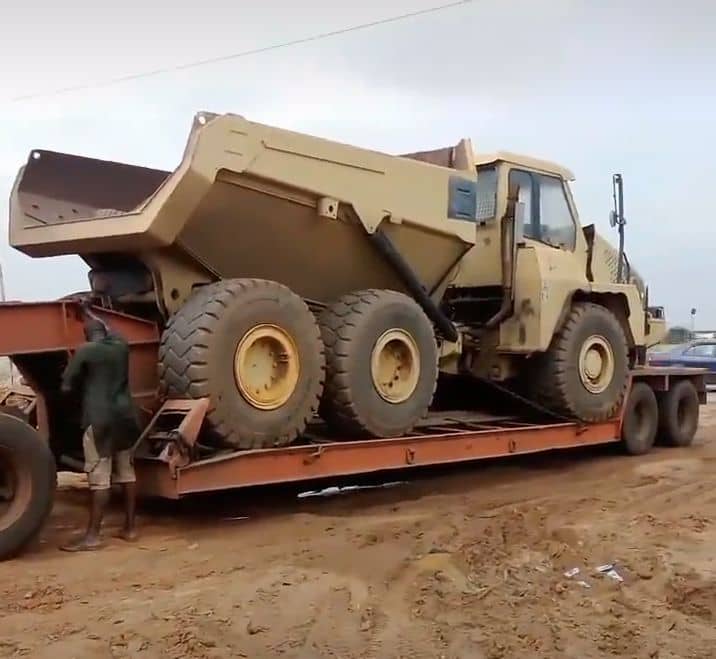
(351,311)
(292,274)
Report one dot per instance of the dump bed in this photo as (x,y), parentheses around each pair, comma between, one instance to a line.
(250,200)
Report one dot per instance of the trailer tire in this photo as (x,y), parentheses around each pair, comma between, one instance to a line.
(679,414)
(207,350)
(563,380)
(381,364)
(641,419)
(28,473)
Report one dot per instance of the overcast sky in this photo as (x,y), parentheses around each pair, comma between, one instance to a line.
(601,87)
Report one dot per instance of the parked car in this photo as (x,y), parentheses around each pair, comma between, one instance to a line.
(676,336)
(694,354)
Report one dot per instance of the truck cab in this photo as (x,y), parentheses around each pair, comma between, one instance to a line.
(546,260)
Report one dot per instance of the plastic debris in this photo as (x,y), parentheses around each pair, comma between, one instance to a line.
(573,572)
(609,570)
(615,575)
(333,491)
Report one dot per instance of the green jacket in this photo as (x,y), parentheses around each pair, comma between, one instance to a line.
(100,371)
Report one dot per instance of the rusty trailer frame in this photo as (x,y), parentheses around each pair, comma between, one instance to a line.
(31,330)
(174,474)
(177,470)
(163,477)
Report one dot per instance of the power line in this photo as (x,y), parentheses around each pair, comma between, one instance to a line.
(245,53)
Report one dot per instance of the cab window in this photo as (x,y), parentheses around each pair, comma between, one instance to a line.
(486,193)
(547,216)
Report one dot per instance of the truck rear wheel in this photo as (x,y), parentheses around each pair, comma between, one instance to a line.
(641,419)
(253,348)
(679,414)
(27,484)
(381,363)
(584,373)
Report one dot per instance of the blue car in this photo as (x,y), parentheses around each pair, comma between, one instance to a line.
(694,354)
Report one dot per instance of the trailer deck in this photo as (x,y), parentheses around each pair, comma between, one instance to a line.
(175,470)
(445,443)
(174,458)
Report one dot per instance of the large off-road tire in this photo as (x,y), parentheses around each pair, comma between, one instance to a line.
(585,372)
(27,484)
(381,364)
(253,348)
(641,419)
(678,414)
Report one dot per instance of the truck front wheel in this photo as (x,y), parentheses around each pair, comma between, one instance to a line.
(27,484)
(584,374)
(381,363)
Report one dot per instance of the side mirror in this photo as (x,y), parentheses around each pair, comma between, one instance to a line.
(612,219)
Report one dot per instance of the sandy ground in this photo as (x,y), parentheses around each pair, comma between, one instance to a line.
(469,563)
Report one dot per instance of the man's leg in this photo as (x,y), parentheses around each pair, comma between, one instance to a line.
(100,499)
(99,472)
(125,475)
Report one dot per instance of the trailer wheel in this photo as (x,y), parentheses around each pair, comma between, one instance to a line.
(679,414)
(253,348)
(641,419)
(27,484)
(584,374)
(381,363)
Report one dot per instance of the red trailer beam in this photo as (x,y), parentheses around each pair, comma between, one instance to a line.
(33,327)
(29,329)
(304,463)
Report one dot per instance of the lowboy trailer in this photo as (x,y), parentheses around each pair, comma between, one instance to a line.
(172,461)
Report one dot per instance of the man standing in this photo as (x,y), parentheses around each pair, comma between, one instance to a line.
(99,370)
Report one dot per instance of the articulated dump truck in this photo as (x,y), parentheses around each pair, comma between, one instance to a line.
(299,309)
(291,275)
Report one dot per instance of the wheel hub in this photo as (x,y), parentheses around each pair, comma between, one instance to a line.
(395,366)
(266,367)
(596,364)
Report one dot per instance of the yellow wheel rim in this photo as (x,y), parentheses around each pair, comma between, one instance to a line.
(395,366)
(596,364)
(266,367)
